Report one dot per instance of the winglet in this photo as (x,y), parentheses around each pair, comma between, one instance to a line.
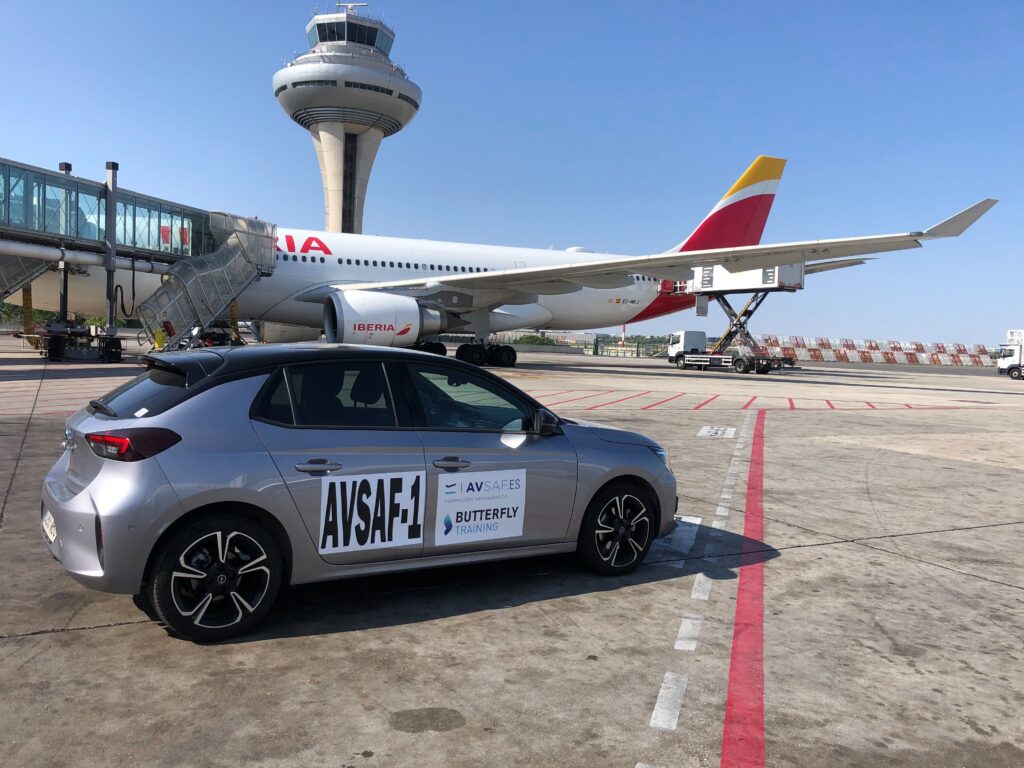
(958,224)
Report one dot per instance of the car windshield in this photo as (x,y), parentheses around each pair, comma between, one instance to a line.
(151,393)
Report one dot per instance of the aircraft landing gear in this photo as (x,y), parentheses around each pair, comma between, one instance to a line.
(500,355)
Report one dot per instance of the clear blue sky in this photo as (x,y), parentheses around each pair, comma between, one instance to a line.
(587,122)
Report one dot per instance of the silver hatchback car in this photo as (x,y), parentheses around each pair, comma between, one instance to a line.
(216,476)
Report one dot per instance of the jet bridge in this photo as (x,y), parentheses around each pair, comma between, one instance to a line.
(55,221)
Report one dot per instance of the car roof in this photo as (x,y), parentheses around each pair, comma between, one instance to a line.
(226,361)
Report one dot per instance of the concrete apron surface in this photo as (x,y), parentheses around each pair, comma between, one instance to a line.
(846,588)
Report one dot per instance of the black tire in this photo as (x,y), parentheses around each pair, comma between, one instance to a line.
(607,538)
(492,355)
(1015,374)
(740,365)
(507,356)
(476,354)
(681,365)
(439,349)
(236,597)
(460,352)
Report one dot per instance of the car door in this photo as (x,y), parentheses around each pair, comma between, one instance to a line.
(357,479)
(491,481)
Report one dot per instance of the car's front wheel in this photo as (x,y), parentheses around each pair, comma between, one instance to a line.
(617,529)
(216,578)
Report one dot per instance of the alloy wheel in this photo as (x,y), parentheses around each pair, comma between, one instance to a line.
(220,579)
(623,530)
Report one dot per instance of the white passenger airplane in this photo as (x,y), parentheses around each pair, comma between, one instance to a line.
(402,292)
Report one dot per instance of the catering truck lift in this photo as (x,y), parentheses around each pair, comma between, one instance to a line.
(1011,355)
(736,349)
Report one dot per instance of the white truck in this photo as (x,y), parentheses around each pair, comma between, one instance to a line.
(1011,355)
(689,349)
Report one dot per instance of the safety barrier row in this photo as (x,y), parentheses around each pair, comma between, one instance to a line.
(870,345)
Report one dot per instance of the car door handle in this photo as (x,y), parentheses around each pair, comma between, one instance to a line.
(318,467)
(451,462)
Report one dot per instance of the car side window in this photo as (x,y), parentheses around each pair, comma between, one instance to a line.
(273,403)
(450,398)
(339,394)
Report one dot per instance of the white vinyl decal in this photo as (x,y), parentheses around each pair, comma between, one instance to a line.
(477,506)
(371,511)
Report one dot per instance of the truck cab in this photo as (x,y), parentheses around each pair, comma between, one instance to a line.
(1010,360)
(686,343)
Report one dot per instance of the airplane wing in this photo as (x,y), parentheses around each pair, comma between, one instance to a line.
(675,265)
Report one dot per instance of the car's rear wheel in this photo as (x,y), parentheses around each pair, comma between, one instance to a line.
(216,578)
(617,529)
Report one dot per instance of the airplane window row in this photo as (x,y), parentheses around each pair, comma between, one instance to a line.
(386,264)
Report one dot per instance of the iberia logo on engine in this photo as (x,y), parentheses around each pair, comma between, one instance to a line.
(363,327)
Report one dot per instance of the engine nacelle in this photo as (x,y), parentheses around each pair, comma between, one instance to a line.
(276,333)
(382,319)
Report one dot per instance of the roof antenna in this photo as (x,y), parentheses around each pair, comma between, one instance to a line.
(350,7)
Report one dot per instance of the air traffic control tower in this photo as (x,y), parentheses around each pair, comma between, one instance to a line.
(349,95)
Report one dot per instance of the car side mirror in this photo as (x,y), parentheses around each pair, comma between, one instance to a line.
(547,423)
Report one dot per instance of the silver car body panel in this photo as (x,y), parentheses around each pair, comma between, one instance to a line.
(226,458)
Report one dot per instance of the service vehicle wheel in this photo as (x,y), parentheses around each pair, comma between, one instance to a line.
(740,365)
(617,530)
(681,365)
(1015,373)
(216,578)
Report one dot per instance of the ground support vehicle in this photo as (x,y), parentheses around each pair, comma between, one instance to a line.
(1011,355)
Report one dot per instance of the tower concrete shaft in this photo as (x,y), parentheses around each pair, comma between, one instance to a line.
(349,95)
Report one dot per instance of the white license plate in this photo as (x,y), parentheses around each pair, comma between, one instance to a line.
(49,526)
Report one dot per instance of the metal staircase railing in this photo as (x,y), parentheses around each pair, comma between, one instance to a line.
(195,292)
(16,272)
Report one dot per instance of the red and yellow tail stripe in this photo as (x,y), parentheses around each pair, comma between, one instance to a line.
(739,217)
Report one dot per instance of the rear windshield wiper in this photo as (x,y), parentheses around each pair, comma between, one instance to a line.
(103,408)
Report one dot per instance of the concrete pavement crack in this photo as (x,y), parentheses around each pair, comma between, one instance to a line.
(21,446)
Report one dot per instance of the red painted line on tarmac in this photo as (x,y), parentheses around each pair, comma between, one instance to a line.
(792,405)
(552,394)
(667,399)
(698,406)
(743,732)
(829,404)
(872,406)
(748,403)
(581,397)
(621,399)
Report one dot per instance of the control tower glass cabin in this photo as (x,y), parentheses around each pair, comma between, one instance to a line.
(349,95)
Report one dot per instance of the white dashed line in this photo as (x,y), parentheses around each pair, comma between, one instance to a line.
(684,535)
(689,631)
(670,699)
(701,587)
(723,509)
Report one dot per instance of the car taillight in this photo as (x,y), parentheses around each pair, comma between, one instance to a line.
(131,444)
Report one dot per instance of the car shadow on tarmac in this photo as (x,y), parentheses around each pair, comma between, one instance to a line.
(397,599)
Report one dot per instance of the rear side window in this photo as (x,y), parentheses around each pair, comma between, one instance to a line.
(329,395)
(151,393)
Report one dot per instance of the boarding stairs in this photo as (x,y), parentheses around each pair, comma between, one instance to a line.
(16,273)
(196,292)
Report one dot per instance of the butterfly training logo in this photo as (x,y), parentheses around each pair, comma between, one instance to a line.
(447,524)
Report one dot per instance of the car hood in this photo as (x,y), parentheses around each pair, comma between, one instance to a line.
(612,434)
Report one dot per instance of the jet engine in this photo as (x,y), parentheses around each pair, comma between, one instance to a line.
(382,319)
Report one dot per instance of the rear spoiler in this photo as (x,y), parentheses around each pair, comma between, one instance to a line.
(194,365)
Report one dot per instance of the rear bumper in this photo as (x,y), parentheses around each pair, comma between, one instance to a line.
(106,531)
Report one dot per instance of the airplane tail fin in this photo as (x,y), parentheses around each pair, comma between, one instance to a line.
(739,217)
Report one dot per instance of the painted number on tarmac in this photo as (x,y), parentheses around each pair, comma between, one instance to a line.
(710,431)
